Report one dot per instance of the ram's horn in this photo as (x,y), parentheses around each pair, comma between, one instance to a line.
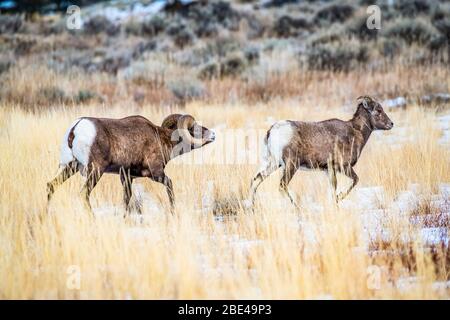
(170,122)
(185,123)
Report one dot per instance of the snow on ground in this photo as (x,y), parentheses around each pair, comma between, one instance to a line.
(120,11)
(398,102)
(373,218)
(141,199)
(369,203)
(444,124)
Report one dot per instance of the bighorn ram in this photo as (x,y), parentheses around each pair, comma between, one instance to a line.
(131,147)
(331,145)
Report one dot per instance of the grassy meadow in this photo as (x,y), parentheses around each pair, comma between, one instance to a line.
(212,247)
(237,67)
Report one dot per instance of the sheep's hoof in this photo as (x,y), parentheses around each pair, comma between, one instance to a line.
(340,197)
(50,191)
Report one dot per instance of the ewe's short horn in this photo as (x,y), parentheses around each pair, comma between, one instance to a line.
(368,98)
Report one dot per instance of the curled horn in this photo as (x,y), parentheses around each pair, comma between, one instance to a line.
(186,122)
(170,122)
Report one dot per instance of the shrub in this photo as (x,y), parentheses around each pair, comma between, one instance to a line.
(358,27)
(217,48)
(412,8)
(99,24)
(233,66)
(441,21)
(184,37)
(206,29)
(251,54)
(114,62)
(154,26)
(10,23)
(334,12)
(181,34)
(222,47)
(209,71)
(411,31)
(24,47)
(186,89)
(444,27)
(341,58)
(255,27)
(323,37)
(85,95)
(53,27)
(50,95)
(154,72)
(143,47)
(211,13)
(439,42)
(389,47)
(287,26)
(133,27)
(5,65)
(223,13)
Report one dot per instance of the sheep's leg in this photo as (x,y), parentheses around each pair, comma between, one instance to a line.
(92,179)
(126,181)
(259,178)
(333,180)
(352,175)
(288,174)
(165,180)
(63,174)
(168,183)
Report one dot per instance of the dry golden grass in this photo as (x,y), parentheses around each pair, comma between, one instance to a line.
(274,252)
(193,255)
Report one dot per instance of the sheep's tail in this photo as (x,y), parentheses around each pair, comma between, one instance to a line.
(66,155)
(277,137)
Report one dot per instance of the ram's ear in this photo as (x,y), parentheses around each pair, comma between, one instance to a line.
(171,122)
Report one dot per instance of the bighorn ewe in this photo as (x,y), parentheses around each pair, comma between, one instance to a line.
(131,147)
(332,145)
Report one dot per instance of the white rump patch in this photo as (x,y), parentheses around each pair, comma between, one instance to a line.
(280,135)
(85,133)
(66,155)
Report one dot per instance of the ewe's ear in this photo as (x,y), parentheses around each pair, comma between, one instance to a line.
(365,102)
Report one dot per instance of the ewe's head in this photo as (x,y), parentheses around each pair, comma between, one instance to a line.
(378,118)
(187,131)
